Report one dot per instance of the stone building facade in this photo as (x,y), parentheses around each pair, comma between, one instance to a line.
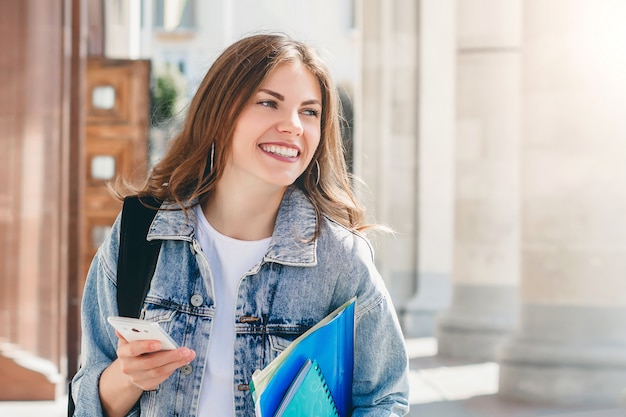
(537,251)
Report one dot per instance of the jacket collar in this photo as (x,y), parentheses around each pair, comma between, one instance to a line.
(292,240)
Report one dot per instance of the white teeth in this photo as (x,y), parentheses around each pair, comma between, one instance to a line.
(280,150)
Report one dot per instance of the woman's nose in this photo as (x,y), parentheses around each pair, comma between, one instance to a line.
(291,123)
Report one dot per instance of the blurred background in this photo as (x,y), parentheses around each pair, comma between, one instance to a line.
(490,134)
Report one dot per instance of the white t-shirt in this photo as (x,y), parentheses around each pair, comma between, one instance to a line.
(229,259)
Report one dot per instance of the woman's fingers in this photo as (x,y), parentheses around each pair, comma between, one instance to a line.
(150,370)
(146,365)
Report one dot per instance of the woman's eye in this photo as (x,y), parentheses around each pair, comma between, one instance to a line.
(311,112)
(267,103)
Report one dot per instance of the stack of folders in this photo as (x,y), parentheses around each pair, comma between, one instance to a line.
(313,376)
(308,395)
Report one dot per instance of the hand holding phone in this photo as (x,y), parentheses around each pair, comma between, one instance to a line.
(133,329)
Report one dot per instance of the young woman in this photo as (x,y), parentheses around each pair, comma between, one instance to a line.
(260,240)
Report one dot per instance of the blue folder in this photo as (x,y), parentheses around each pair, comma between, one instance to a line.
(308,395)
(330,343)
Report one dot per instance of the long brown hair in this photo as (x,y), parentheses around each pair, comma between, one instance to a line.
(185,172)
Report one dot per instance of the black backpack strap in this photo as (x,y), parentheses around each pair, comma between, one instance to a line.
(137,257)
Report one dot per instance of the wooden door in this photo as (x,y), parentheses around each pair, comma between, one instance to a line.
(117,126)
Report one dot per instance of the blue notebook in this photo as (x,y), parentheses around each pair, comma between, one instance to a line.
(331,344)
(308,395)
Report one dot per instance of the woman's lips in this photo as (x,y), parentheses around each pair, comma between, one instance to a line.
(287,152)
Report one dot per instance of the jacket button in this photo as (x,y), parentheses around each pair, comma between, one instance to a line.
(186,369)
(248,319)
(243,387)
(196,300)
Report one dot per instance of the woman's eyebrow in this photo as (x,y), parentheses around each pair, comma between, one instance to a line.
(309,102)
(282,98)
(273,93)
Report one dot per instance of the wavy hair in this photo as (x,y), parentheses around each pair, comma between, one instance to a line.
(184,173)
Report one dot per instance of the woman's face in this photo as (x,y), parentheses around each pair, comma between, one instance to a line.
(278,131)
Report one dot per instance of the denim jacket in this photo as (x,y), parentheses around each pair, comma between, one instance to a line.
(296,284)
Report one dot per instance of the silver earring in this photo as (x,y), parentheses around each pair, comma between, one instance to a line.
(319,173)
(212,156)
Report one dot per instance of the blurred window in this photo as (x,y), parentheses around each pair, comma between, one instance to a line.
(171,15)
(103,97)
(102,167)
(98,234)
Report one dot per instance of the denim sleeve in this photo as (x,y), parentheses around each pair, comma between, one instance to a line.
(381,365)
(99,343)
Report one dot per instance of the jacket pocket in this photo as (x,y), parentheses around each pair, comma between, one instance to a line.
(280,337)
(163,316)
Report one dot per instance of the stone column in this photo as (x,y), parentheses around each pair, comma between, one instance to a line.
(571,344)
(436,136)
(385,146)
(486,235)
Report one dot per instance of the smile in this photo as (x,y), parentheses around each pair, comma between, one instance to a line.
(280,150)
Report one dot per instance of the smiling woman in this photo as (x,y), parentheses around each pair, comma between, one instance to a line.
(260,241)
(277,133)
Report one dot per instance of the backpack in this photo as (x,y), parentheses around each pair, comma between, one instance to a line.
(136,262)
(137,257)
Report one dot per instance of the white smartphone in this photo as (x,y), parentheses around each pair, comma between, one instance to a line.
(137,329)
